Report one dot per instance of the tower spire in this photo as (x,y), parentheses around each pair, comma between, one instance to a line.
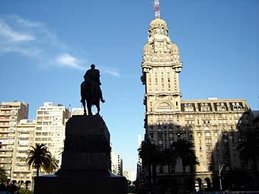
(157,8)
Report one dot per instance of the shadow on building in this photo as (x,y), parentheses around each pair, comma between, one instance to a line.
(235,157)
(166,167)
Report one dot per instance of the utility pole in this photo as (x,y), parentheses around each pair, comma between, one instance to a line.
(220,170)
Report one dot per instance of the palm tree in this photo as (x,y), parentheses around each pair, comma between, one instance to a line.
(183,149)
(150,156)
(39,156)
(53,165)
(169,158)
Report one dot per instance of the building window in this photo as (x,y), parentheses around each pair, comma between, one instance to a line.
(161,169)
(225,140)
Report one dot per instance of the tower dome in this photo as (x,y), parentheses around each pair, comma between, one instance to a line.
(158,23)
(158,26)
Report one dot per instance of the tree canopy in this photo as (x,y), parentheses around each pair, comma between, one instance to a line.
(40,157)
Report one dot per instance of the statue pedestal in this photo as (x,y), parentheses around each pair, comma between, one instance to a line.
(86,161)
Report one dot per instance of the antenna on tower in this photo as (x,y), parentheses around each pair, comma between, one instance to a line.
(157,9)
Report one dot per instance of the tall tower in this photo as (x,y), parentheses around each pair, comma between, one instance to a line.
(215,127)
(161,66)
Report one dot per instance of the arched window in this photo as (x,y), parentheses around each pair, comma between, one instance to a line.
(164,106)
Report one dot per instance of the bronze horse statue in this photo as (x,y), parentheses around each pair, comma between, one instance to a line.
(90,96)
(91,93)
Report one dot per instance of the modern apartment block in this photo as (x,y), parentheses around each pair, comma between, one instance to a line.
(50,127)
(24,140)
(18,134)
(116,164)
(10,115)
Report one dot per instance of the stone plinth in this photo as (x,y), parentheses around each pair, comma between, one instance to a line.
(87,145)
(82,185)
(86,161)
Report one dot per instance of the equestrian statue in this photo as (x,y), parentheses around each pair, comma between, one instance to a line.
(91,93)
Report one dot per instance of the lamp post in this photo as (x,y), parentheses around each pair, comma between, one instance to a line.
(220,170)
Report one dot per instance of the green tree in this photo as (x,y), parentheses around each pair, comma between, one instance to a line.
(53,165)
(3,176)
(39,157)
(168,158)
(25,191)
(184,150)
(150,156)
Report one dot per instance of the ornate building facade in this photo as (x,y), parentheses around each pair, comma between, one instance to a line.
(213,125)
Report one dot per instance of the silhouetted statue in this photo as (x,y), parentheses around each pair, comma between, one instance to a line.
(91,91)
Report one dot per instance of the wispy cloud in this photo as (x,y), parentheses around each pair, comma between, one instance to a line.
(29,51)
(10,35)
(35,40)
(68,60)
(26,23)
(112,71)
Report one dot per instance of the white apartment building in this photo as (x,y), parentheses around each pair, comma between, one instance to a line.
(116,164)
(77,111)
(50,127)
(24,139)
(10,115)
(18,135)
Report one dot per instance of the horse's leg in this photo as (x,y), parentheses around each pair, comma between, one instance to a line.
(89,108)
(83,102)
(83,98)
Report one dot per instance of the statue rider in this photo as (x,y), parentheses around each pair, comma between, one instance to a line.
(92,76)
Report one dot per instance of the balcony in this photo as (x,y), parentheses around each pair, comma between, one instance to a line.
(5,162)
(6,149)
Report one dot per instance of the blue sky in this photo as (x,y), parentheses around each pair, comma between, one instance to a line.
(46,46)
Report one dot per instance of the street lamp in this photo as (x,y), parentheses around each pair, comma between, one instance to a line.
(220,170)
